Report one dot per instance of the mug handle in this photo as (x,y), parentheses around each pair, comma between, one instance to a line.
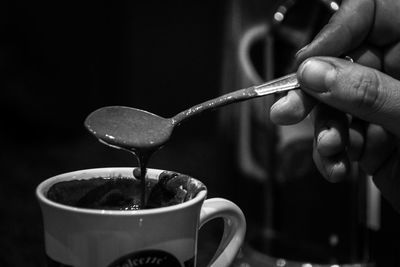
(234,229)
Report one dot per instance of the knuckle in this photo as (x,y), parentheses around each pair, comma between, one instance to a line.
(365,88)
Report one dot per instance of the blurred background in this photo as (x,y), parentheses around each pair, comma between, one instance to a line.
(60,61)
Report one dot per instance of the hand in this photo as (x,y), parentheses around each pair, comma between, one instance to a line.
(369,129)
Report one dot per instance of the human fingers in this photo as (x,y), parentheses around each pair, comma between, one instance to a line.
(330,141)
(379,145)
(372,147)
(291,108)
(360,91)
(386,23)
(334,168)
(368,56)
(391,64)
(330,130)
(346,30)
(296,105)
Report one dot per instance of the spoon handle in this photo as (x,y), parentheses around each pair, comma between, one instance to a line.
(282,84)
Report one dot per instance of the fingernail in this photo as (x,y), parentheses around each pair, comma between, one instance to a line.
(279,103)
(301,50)
(317,75)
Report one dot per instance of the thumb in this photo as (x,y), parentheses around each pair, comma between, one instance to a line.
(360,91)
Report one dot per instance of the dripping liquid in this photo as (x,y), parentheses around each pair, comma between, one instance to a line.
(143,159)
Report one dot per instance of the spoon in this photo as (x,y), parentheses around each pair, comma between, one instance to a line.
(143,132)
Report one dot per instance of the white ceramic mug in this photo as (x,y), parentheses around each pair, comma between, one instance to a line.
(165,236)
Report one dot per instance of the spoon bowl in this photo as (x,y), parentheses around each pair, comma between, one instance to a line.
(129,128)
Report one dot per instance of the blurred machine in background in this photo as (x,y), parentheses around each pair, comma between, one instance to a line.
(295,217)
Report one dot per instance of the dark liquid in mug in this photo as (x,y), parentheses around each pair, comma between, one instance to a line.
(122,193)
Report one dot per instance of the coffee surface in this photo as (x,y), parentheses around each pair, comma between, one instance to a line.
(122,193)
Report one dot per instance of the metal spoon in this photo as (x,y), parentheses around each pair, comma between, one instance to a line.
(141,131)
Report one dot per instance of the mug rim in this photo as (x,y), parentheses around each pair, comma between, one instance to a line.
(45,185)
